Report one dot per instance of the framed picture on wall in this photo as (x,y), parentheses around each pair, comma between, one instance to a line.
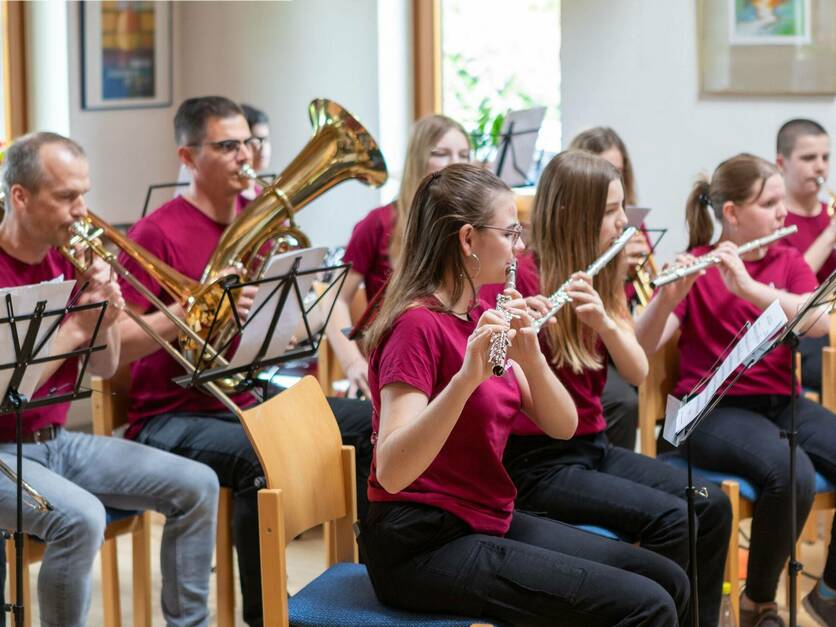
(125,54)
(767,47)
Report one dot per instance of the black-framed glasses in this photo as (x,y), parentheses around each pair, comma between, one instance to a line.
(232,146)
(514,231)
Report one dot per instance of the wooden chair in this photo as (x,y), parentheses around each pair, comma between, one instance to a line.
(310,481)
(328,368)
(137,524)
(110,398)
(653,392)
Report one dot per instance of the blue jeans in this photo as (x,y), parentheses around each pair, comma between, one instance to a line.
(80,474)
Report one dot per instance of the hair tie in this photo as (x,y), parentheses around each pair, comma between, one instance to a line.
(704,199)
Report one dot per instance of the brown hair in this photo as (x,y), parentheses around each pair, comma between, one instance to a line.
(738,180)
(566,221)
(425,134)
(600,139)
(459,194)
(790,131)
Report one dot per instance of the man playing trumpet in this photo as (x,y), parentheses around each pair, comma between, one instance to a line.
(46,177)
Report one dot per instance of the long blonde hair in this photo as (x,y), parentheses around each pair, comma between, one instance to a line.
(426,133)
(600,139)
(566,221)
(459,194)
(734,180)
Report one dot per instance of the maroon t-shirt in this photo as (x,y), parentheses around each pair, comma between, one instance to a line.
(809,229)
(585,387)
(183,237)
(15,273)
(425,349)
(368,248)
(711,316)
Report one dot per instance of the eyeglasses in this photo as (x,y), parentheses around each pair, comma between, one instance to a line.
(229,147)
(514,231)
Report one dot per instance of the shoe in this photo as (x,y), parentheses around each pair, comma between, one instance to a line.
(821,610)
(765,616)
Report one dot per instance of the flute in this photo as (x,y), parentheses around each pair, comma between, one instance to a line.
(561,296)
(706,261)
(498,350)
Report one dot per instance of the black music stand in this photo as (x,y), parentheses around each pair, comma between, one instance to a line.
(283,293)
(29,350)
(793,330)
(515,152)
(679,436)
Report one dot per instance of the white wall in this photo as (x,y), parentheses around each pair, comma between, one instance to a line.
(634,66)
(279,56)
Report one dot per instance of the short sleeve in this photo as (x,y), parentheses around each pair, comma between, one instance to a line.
(363,245)
(148,235)
(411,354)
(801,278)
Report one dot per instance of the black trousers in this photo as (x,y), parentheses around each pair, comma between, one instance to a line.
(541,572)
(219,441)
(585,481)
(620,402)
(811,361)
(743,436)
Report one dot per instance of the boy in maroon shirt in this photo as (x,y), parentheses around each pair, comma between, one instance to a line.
(803,158)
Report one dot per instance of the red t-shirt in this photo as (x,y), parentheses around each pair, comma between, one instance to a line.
(711,316)
(368,248)
(15,273)
(425,349)
(183,237)
(585,387)
(809,229)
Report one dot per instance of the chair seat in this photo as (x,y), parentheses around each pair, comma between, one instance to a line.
(343,595)
(599,531)
(113,514)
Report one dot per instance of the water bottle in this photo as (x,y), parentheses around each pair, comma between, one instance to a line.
(727,618)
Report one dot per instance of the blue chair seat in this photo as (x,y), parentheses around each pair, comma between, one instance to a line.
(599,531)
(113,514)
(343,595)
(823,484)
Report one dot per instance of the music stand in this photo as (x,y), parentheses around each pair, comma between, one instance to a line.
(280,311)
(515,152)
(31,334)
(682,418)
(824,296)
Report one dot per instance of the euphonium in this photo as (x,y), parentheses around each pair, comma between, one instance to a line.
(561,296)
(706,261)
(340,149)
(498,350)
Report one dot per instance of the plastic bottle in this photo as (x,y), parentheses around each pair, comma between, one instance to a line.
(727,618)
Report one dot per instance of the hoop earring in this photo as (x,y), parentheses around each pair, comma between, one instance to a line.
(478,265)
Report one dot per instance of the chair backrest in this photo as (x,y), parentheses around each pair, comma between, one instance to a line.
(110,401)
(297,440)
(653,392)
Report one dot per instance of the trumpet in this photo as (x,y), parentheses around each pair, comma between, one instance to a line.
(831,204)
(498,350)
(706,261)
(561,296)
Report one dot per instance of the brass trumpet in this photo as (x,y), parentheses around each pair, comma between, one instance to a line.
(831,204)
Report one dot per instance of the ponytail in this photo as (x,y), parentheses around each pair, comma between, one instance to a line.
(697,214)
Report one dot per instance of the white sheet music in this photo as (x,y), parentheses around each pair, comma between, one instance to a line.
(255,332)
(764,328)
(56,293)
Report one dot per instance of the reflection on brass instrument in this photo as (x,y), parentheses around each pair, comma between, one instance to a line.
(35,500)
(498,350)
(641,280)
(340,149)
(706,261)
(561,296)
(831,203)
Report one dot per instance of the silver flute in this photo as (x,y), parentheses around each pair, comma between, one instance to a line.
(498,350)
(706,261)
(561,296)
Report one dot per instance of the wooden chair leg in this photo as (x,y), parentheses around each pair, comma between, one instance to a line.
(732,573)
(810,531)
(110,584)
(141,569)
(224,570)
(273,575)
(11,564)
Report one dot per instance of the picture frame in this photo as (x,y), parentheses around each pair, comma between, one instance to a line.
(767,47)
(126,54)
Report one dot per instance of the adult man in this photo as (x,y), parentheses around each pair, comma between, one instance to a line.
(45,180)
(803,148)
(214,141)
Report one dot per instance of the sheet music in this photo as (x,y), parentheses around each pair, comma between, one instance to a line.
(257,329)
(764,328)
(56,293)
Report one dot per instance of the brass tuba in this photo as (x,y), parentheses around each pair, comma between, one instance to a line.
(340,149)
